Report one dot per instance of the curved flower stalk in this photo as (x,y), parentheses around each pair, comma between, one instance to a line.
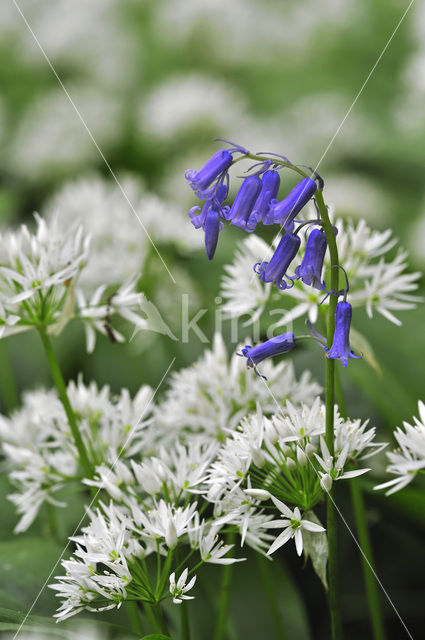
(286,465)
(408,459)
(40,452)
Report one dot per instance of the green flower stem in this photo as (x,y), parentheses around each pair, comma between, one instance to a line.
(160,619)
(372,591)
(148,609)
(223,603)
(134,617)
(61,387)
(184,621)
(331,524)
(8,385)
(272,597)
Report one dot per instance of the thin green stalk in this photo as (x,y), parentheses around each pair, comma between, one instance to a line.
(372,591)
(184,621)
(61,387)
(272,597)
(153,622)
(8,385)
(161,622)
(223,603)
(331,524)
(134,616)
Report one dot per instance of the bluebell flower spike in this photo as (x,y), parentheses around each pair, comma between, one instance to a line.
(273,347)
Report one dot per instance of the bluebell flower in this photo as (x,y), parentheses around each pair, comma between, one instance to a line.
(340,348)
(274,271)
(285,211)
(310,269)
(214,202)
(269,189)
(273,347)
(209,218)
(245,199)
(213,169)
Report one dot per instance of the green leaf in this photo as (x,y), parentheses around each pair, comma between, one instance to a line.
(361,345)
(25,564)
(316,546)
(156,636)
(12,620)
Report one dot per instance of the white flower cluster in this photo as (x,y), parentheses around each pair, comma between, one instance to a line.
(40,451)
(376,283)
(153,512)
(277,458)
(177,498)
(213,394)
(409,458)
(39,276)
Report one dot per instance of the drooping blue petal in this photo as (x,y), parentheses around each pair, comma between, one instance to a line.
(214,202)
(275,270)
(310,269)
(340,349)
(212,228)
(216,165)
(244,201)
(284,211)
(273,347)
(269,190)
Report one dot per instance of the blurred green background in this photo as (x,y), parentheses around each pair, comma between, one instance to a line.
(157,82)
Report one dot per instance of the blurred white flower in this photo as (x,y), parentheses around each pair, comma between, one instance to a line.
(40,452)
(184,101)
(51,138)
(116,230)
(409,458)
(36,273)
(242,291)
